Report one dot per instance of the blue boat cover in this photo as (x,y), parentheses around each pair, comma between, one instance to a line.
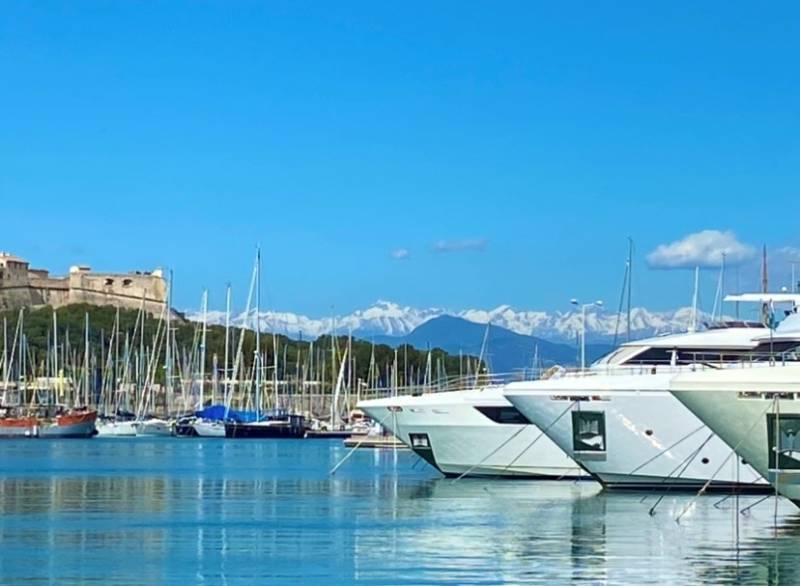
(222,413)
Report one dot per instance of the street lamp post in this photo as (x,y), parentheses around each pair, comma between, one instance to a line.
(583,326)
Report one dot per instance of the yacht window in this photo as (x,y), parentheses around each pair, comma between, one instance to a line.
(505,415)
(419,440)
(589,431)
(785,453)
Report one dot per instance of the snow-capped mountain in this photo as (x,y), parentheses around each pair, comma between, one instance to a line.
(386,318)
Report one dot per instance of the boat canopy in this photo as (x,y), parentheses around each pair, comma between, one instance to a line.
(222,413)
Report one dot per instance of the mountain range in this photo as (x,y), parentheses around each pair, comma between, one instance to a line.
(385,318)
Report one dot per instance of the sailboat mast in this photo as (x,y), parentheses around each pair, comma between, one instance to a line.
(226,376)
(86,358)
(5,349)
(630,281)
(55,349)
(203,349)
(258,334)
(168,349)
(695,299)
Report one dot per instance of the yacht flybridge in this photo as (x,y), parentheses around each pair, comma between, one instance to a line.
(497,429)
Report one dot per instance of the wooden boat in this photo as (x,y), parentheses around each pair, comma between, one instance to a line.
(75,423)
(12,426)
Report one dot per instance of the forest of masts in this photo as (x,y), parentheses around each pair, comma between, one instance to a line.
(120,360)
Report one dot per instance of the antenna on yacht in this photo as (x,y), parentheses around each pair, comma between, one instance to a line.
(483,350)
(764,278)
(794,263)
(693,326)
(630,281)
(625,293)
(720,295)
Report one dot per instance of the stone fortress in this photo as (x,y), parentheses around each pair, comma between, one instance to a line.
(22,286)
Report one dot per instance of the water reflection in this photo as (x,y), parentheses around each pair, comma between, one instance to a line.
(132,512)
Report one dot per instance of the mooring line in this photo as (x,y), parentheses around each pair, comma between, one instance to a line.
(664,451)
(538,437)
(692,455)
(746,510)
(355,447)
(492,453)
(690,460)
(725,461)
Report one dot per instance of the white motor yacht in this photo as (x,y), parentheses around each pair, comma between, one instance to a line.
(475,432)
(623,426)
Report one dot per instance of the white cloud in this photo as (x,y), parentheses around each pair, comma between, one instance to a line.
(703,249)
(400,254)
(459,245)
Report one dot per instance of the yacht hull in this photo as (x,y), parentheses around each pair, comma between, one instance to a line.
(209,428)
(750,424)
(116,429)
(637,440)
(153,428)
(454,436)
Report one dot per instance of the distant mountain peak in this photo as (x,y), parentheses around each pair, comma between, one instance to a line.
(388,318)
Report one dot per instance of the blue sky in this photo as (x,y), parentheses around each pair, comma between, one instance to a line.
(509,148)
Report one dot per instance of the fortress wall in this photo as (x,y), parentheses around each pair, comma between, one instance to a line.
(21,286)
(123,290)
(46,290)
(15,297)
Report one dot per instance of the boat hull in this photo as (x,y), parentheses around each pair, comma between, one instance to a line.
(747,414)
(19,427)
(257,431)
(450,432)
(153,428)
(116,429)
(637,440)
(71,425)
(209,428)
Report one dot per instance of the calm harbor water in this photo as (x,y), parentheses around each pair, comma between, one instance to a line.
(184,511)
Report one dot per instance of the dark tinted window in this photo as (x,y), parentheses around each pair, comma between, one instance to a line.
(787,428)
(504,414)
(588,431)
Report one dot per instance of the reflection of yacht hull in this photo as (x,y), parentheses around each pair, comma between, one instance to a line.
(449,432)
(753,420)
(649,439)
